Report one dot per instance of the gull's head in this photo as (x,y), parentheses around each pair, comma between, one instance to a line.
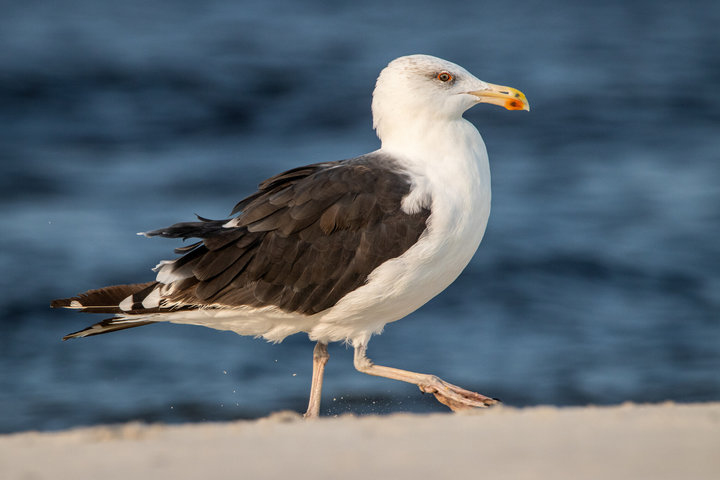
(434,89)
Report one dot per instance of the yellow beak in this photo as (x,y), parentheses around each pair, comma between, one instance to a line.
(507,97)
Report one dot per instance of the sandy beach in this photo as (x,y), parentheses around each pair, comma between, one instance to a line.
(666,441)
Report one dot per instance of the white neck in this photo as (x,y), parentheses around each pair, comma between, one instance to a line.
(443,150)
(424,137)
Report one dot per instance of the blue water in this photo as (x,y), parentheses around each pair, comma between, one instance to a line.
(597,281)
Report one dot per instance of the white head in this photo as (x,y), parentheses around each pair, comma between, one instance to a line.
(433,89)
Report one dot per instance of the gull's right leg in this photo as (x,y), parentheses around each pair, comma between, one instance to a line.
(446,393)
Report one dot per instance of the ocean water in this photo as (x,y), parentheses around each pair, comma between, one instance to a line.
(597,281)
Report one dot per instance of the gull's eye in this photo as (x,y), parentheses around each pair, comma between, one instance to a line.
(444,77)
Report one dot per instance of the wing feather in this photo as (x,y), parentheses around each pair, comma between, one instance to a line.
(304,240)
(308,237)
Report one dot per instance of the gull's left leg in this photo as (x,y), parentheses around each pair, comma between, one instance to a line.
(446,393)
(320,358)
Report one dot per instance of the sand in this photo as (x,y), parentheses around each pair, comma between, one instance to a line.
(667,441)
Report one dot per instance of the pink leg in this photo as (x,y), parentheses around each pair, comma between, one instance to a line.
(446,393)
(320,358)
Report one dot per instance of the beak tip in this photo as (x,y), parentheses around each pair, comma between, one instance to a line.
(508,97)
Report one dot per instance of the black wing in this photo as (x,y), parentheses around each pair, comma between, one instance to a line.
(305,239)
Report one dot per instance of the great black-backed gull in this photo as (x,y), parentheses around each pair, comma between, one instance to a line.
(338,249)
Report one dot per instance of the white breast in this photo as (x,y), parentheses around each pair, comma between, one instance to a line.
(452,177)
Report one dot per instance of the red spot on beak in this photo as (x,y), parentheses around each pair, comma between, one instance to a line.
(513,104)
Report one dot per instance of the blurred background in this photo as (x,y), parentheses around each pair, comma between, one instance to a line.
(597,281)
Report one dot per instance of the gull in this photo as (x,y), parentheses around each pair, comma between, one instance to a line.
(338,249)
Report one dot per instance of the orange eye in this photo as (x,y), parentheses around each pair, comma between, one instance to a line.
(444,77)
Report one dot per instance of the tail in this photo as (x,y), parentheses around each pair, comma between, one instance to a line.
(127,301)
(134,305)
